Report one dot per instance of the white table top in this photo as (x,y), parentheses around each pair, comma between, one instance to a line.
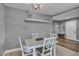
(31,43)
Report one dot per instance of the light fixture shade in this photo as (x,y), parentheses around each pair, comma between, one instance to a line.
(35,6)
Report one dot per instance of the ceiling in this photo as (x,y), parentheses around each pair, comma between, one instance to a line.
(45,8)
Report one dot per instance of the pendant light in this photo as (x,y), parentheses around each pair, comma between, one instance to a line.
(35,6)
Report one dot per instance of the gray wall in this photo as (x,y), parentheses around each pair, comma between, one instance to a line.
(68,15)
(15,26)
(2,27)
(59,27)
(77,32)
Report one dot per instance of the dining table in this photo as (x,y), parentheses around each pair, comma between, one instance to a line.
(33,44)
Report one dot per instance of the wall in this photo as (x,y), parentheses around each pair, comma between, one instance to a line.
(77,33)
(67,15)
(71,29)
(59,27)
(2,28)
(15,26)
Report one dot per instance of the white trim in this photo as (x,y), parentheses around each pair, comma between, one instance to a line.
(11,50)
(36,20)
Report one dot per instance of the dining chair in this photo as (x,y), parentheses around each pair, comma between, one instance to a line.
(54,36)
(47,48)
(25,50)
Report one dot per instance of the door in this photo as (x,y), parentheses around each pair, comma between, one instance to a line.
(71,30)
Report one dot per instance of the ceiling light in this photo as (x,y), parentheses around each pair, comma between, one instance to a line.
(35,6)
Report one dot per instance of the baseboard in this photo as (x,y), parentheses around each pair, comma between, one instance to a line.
(11,50)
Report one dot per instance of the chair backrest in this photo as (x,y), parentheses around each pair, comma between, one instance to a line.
(24,47)
(22,44)
(54,36)
(35,35)
(47,46)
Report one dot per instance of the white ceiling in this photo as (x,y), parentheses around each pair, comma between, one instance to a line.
(45,8)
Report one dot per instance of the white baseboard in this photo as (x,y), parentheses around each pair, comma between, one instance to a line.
(11,50)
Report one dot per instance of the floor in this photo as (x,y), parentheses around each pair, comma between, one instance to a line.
(60,51)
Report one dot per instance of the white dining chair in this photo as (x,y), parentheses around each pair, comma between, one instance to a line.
(25,50)
(54,36)
(47,49)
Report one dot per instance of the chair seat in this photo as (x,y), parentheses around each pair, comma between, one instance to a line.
(28,50)
(39,49)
